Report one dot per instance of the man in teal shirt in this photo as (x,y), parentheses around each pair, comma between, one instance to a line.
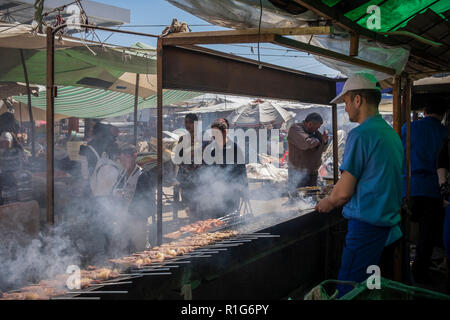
(371,181)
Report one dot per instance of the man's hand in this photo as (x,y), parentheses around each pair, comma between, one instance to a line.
(340,195)
(325,137)
(324,205)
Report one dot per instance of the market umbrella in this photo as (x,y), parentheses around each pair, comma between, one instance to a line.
(257,113)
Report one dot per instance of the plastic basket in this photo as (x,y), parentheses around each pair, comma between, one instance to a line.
(390,290)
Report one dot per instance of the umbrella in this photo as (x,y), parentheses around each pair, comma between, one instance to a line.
(257,113)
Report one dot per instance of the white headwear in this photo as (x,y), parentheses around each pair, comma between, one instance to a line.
(357,81)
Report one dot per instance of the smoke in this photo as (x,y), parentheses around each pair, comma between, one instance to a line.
(28,260)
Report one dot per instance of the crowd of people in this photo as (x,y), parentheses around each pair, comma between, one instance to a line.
(372,188)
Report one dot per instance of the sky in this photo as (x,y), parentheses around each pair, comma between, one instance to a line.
(161,12)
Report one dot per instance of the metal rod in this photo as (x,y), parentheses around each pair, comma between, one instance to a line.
(30,110)
(20,113)
(75,298)
(110,283)
(50,127)
(335,144)
(151,273)
(136,100)
(159,80)
(97,292)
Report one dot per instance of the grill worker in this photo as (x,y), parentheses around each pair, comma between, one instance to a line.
(371,181)
(134,191)
(427,136)
(306,145)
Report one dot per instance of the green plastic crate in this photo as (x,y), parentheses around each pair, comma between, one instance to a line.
(390,290)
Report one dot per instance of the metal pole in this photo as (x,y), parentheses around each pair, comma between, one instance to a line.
(335,145)
(30,111)
(136,100)
(20,114)
(159,137)
(51,93)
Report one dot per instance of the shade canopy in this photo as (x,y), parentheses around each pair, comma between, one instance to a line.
(257,114)
(97,103)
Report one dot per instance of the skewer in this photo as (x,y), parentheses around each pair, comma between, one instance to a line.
(151,273)
(97,292)
(110,283)
(75,298)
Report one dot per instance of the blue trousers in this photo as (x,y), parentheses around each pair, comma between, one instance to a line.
(364,245)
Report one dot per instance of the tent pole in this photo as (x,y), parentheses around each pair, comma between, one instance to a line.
(136,100)
(396,105)
(159,137)
(20,114)
(50,94)
(335,145)
(30,111)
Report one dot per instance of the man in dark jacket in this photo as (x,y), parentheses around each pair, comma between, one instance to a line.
(427,136)
(306,145)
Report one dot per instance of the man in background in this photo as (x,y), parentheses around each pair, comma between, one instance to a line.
(306,145)
(427,136)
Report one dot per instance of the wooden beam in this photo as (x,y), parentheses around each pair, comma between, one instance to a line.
(218,39)
(50,125)
(335,144)
(407,112)
(293,44)
(252,35)
(136,100)
(354,45)
(253,31)
(159,85)
(396,105)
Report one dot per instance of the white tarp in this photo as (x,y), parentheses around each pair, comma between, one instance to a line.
(241,14)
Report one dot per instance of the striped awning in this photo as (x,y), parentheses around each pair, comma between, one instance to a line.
(83,102)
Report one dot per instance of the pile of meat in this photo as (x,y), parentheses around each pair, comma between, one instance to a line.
(196,227)
(46,289)
(172,249)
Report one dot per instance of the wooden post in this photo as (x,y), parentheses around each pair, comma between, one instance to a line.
(136,100)
(51,93)
(396,105)
(30,111)
(159,80)
(407,108)
(335,145)
(354,45)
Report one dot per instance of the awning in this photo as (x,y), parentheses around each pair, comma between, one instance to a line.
(77,63)
(97,103)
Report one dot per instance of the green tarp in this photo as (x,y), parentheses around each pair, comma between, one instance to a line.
(394,14)
(97,103)
(75,66)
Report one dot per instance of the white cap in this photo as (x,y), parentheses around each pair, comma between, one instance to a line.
(357,81)
(6,136)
